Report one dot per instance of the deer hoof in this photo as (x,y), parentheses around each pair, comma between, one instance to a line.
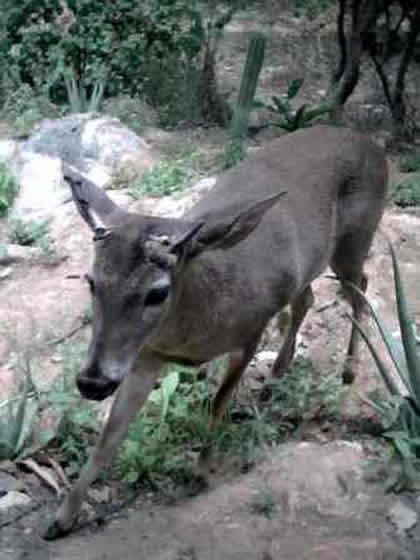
(55,531)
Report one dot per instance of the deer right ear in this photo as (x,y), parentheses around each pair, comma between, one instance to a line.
(93,203)
(219,231)
(223,230)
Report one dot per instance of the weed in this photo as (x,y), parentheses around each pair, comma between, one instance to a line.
(410,163)
(264,504)
(407,193)
(166,177)
(9,189)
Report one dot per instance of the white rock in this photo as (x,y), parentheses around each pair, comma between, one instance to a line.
(14,499)
(403,517)
(42,189)
(8,150)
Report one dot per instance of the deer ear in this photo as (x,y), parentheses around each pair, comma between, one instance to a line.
(223,230)
(93,203)
(214,231)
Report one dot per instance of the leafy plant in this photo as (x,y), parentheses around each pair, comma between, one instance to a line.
(407,193)
(166,177)
(13,425)
(289,118)
(400,413)
(78,98)
(410,163)
(27,232)
(174,424)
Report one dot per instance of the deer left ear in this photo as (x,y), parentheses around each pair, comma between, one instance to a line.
(215,231)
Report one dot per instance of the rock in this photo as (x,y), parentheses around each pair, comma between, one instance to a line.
(88,140)
(174,206)
(9,483)
(42,189)
(14,499)
(8,150)
(101,496)
(5,273)
(403,517)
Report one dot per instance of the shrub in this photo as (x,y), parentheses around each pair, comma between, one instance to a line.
(91,36)
(9,188)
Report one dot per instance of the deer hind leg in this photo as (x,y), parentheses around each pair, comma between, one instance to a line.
(348,266)
(132,393)
(238,362)
(300,307)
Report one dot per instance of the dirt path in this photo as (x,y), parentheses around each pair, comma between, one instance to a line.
(307,502)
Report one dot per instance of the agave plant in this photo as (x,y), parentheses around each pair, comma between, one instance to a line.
(289,118)
(402,408)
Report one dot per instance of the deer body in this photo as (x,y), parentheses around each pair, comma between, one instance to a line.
(194,288)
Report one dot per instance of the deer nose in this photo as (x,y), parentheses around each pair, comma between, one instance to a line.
(95,388)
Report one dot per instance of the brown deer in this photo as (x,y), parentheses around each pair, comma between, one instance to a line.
(191,289)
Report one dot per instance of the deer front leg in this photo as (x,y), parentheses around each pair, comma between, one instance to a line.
(131,395)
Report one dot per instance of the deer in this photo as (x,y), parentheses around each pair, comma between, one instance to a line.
(193,288)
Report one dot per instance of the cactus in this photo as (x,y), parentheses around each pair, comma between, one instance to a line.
(239,126)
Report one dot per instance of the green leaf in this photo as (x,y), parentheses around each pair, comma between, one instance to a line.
(407,334)
(383,370)
(293,87)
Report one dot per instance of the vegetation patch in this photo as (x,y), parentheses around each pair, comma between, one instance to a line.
(166,177)
(407,193)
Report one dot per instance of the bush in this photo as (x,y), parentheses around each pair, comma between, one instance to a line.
(8,189)
(95,39)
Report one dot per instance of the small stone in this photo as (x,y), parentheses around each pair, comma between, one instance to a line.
(14,499)
(5,273)
(9,483)
(403,517)
(266,356)
(100,496)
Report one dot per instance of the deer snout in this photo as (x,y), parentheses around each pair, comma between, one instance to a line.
(95,387)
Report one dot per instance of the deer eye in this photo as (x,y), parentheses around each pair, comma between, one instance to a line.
(157,294)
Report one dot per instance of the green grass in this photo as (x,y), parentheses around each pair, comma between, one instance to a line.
(166,177)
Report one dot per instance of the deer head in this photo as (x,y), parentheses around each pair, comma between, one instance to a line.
(139,260)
